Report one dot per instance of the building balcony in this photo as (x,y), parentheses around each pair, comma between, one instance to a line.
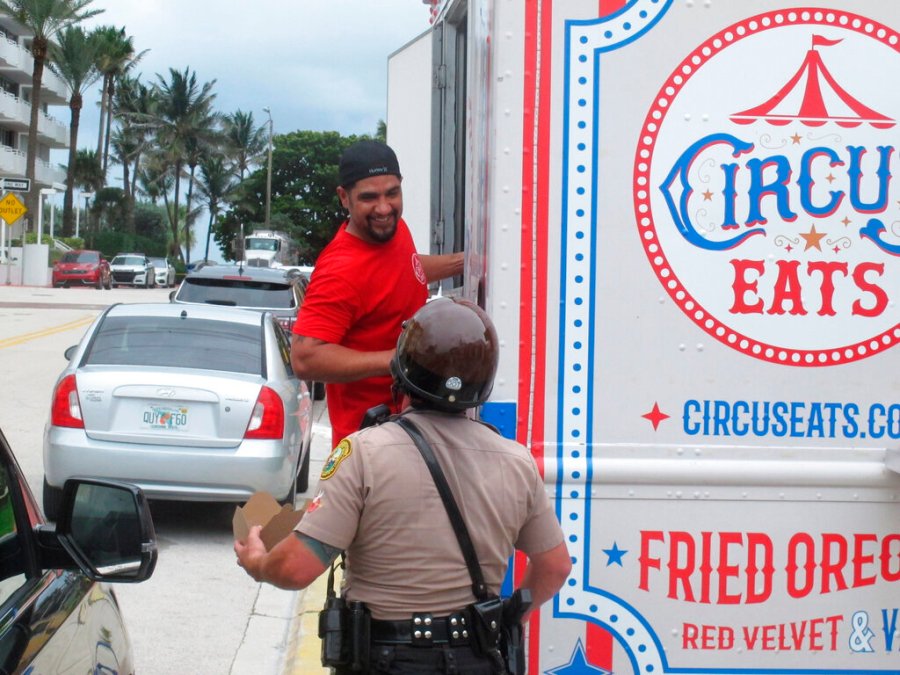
(48,175)
(12,162)
(15,114)
(17,65)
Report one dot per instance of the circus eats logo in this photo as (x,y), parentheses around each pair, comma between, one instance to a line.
(763,187)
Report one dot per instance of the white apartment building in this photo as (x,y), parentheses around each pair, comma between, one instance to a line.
(16,67)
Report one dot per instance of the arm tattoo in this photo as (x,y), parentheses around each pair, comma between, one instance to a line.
(325,553)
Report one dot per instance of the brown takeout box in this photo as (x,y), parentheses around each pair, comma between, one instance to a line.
(263,509)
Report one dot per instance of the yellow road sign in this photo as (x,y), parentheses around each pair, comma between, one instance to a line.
(11,208)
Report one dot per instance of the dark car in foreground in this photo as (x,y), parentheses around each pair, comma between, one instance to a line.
(189,402)
(83,268)
(58,614)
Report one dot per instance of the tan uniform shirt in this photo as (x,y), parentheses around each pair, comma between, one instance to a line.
(377,500)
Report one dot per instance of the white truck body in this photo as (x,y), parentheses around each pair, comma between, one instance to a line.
(269,248)
(681,218)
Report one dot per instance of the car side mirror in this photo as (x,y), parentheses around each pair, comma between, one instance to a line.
(107,530)
(70,352)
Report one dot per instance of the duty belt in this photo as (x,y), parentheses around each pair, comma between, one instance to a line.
(424,630)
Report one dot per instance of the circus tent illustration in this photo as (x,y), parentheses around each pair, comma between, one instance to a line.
(813,97)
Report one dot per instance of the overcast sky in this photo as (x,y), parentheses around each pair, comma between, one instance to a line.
(317,64)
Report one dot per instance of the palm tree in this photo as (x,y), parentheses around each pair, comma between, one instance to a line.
(72,58)
(184,113)
(115,57)
(245,143)
(135,105)
(215,185)
(44,19)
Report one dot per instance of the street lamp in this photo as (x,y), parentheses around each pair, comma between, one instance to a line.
(40,214)
(86,195)
(269,171)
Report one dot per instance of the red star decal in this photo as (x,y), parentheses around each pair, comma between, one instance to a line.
(655,416)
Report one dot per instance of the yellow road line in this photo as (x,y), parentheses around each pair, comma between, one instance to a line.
(19,339)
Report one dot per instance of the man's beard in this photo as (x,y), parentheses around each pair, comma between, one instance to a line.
(382,235)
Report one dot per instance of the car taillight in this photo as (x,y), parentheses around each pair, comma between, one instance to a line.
(267,420)
(66,409)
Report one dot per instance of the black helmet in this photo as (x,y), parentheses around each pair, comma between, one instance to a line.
(447,355)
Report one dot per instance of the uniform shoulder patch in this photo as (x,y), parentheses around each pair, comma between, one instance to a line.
(343,450)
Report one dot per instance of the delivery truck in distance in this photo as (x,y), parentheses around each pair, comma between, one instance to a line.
(269,248)
(682,219)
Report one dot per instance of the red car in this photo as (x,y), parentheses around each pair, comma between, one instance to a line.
(88,268)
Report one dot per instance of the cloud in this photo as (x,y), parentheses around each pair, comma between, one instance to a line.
(318,64)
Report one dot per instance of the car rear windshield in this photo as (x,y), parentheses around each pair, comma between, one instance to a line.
(80,257)
(182,343)
(237,293)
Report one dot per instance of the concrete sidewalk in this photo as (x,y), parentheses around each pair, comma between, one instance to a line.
(282,632)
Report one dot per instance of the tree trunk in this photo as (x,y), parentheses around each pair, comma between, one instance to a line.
(75,103)
(109,114)
(103,88)
(39,53)
(174,220)
(187,218)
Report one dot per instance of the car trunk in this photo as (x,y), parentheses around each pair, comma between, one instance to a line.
(168,407)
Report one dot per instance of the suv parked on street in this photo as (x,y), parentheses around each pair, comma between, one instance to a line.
(132,269)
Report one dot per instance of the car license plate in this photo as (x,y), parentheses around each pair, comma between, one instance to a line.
(166,417)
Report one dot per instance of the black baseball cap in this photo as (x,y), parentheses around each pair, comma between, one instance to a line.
(365,159)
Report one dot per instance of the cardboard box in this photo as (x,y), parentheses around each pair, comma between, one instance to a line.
(262,509)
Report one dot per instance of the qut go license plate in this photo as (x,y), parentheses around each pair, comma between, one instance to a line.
(166,417)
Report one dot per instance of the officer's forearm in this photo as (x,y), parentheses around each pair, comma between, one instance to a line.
(290,565)
(545,574)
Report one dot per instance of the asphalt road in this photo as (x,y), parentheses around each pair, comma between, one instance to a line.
(192,615)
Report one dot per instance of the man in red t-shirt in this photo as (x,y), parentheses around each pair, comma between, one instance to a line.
(367,282)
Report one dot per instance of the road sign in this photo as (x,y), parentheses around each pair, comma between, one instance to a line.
(15,184)
(11,208)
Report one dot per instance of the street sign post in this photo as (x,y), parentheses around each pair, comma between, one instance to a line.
(15,184)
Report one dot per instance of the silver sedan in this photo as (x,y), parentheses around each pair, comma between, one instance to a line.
(187,402)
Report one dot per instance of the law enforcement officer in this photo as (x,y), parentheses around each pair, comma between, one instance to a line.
(378,502)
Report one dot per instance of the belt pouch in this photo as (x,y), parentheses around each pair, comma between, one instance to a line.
(487,617)
(333,621)
(360,636)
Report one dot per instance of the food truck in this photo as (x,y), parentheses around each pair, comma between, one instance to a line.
(682,219)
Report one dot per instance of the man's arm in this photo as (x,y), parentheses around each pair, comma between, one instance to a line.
(439,267)
(320,361)
(294,563)
(545,574)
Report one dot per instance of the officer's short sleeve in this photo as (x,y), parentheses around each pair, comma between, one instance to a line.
(541,531)
(333,514)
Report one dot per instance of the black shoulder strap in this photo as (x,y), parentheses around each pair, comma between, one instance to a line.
(459,526)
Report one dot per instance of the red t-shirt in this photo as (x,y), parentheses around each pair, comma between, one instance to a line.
(359,295)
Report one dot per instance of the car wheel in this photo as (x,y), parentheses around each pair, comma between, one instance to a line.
(303,476)
(52,500)
(291,496)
